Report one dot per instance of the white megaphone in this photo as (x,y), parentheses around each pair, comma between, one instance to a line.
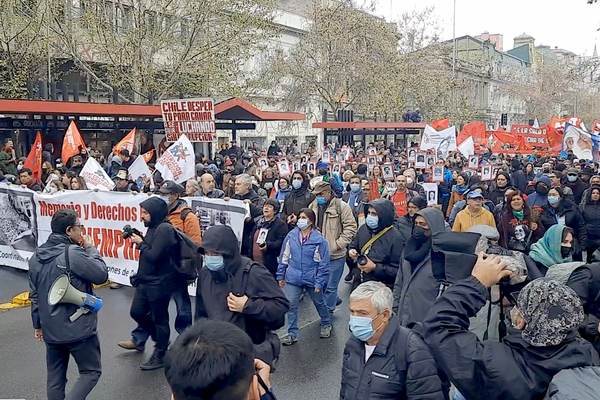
(62,291)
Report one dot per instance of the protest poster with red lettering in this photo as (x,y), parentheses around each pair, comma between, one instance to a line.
(95,177)
(534,137)
(193,117)
(178,163)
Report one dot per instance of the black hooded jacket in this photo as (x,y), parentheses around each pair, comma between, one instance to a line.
(256,204)
(47,264)
(490,370)
(297,199)
(578,187)
(386,251)
(266,302)
(160,243)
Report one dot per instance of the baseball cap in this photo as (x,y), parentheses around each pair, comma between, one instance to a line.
(169,187)
(474,195)
(321,187)
(122,174)
(573,171)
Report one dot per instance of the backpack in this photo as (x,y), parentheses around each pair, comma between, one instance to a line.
(187,212)
(240,284)
(582,383)
(189,260)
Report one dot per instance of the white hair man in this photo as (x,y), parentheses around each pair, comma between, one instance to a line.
(245,192)
(382,350)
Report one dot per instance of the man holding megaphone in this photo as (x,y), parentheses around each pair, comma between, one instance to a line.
(63,307)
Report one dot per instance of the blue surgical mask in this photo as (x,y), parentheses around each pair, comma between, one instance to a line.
(572,178)
(296,184)
(321,200)
(302,223)
(355,187)
(372,221)
(165,199)
(362,327)
(553,200)
(214,263)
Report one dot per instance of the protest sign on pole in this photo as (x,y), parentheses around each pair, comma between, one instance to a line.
(139,172)
(193,117)
(443,142)
(95,177)
(178,163)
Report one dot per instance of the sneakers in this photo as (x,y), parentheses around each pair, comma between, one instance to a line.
(289,340)
(115,285)
(338,302)
(129,345)
(325,332)
(349,278)
(155,362)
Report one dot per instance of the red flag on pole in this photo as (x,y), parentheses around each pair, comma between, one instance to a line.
(126,143)
(475,130)
(440,124)
(72,143)
(148,156)
(34,159)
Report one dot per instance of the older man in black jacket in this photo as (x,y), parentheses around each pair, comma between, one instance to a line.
(547,316)
(155,280)
(52,324)
(383,360)
(244,192)
(235,289)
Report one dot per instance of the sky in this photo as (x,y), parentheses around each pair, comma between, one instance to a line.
(568,24)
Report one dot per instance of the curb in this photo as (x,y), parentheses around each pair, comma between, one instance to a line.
(20,300)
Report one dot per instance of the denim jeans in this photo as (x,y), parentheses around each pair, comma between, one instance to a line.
(458,396)
(336,268)
(293,294)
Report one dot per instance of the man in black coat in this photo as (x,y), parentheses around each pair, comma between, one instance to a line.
(244,192)
(547,316)
(52,324)
(384,253)
(383,360)
(155,280)
(258,306)
(576,184)
(519,179)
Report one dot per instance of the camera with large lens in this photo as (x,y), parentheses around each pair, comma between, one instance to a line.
(362,260)
(128,231)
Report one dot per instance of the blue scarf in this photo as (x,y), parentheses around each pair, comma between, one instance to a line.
(460,189)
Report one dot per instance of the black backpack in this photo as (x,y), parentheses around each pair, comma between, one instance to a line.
(582,383)
(189,259)
(240,284)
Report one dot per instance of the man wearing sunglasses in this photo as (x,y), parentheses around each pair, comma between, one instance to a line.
(576,184)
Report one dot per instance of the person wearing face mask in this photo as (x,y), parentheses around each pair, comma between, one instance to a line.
(236,289)
(555,247)
(304,266)
(405,223)
(379,242)
(576,184)
(382,359)
(298,198)
(355,196)
(564,212)
(540,197)
(155,280)
(336,222)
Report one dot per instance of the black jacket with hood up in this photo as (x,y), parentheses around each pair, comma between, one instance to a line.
(256,205)
(47,264)
(386,251)
(266,302)
(512,369)
(160,244)
(297,199)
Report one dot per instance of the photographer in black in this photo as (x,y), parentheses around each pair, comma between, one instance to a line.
(155,280)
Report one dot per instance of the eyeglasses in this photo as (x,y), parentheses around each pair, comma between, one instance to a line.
(572,174)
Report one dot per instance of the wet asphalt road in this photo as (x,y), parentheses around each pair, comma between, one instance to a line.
(310,369)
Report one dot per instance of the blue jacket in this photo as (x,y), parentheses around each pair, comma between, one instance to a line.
(304,264)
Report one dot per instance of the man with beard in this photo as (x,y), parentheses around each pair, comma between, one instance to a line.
(207,187)
(155,280)
(235,289)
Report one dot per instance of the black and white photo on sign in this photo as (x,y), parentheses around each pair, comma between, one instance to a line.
(19,224)
(474,162)
(495,171)
(325,157)
(263,162)
(336,168)
(262,236)
(431,192)
(486,173)
(469,172)
(372,160)
(372,151)
(430,160)
(311,166)
(258,174)
(438,173)
(421,162)
(284,168)
(411,155)
(303,160)
(388,172)
(296,165)
(213,212)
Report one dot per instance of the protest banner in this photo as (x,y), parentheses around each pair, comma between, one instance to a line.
(443,142)
(178,163)
(25,217)
(535,137)
(139,173)
(467,147)
(582,143)
(193,117)
(95,177)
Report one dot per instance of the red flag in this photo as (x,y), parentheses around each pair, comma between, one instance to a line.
(148,156)
(126,143)
(554,138)
(524,144)
(72,142)
(34,159)
(506,137)
(440,124)
(475,130)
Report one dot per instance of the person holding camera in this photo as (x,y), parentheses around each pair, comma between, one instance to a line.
(378,245)
(67,252)
(155,280)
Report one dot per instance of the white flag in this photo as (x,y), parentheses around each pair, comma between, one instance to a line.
(467,147)
(178,163)
(139,171)
(95,177)
(442,142)
(536,123)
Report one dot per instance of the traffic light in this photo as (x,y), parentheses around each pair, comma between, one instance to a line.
(504,120)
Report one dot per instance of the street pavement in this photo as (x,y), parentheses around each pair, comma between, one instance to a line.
(310,369)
